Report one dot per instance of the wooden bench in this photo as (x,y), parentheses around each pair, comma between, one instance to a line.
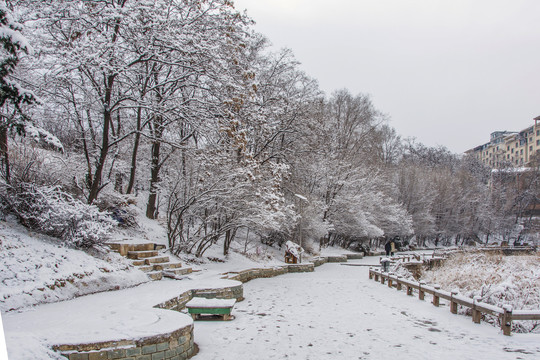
(201,306)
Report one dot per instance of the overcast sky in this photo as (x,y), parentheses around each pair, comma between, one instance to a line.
(447,72)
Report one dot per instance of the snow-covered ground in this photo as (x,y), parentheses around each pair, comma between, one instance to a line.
(338,313)
(107,316)
(335,313)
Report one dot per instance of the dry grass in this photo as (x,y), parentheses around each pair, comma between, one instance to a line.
(496,278)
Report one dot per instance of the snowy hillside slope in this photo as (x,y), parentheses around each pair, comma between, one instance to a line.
(38,269)
(497,279)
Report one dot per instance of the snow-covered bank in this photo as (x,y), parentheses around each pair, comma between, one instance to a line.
(338,313)
(37,269)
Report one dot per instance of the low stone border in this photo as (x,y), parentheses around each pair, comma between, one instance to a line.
(299,268)
(337,258)
(257,273)
(179,303)
(177,345)
(355,256)
(318,261)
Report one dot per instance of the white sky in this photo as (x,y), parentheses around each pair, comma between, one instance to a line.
(447,72)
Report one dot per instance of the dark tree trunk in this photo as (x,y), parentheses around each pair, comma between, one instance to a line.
(151,207)
(95,182)
(132,172)
(4,155)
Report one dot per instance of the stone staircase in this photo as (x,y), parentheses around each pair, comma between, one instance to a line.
(147,257)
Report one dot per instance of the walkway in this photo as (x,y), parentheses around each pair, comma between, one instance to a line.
(338,313)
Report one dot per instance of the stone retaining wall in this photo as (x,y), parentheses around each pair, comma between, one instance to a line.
(355,256)
(233,292)
(320,261)
(297,268)
(177,345)
(337,258)
(250,274)
(178,303)
(247,275)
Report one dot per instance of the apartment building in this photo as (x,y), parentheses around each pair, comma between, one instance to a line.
(510,148)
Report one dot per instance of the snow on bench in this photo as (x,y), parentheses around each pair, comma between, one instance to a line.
(198,306)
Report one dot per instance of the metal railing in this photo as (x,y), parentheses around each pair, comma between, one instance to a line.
(505,314)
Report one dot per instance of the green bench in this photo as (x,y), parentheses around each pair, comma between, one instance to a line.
(202,306)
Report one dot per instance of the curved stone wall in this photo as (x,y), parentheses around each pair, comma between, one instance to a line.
(177,345)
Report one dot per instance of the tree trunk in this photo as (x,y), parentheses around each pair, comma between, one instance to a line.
(95,182)
(151,207)
(132,172)
(229,237)
(4,155)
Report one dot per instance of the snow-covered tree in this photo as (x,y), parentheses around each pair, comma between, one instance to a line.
(12,95)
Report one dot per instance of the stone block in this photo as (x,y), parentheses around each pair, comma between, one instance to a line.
(186,346)
(173,344)
(182,340)
(117,354)
(102,355)
(162,346)
(144,357)
(158,356)
(170,353)
(78,356)
(133,351)
(149,349)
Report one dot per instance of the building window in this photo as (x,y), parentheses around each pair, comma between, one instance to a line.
(537,132)
(521,152)
(530,148)
(512,151)
(537,142)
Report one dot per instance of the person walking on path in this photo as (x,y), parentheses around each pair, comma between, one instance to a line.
(388,248)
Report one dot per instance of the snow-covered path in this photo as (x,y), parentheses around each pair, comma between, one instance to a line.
(338,313)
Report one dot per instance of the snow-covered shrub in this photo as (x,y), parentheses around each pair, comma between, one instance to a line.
(119,206)
(43,137)
(277,238)
(51,211)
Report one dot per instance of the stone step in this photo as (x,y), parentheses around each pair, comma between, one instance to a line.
(141,254)
(156,260)
(159,247)
(137,262)
(147,268)
(155,275)
(167,265)
(182,271)
(123,249)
